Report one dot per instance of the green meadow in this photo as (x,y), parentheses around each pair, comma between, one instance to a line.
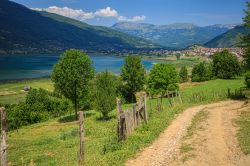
(12,93)
(56,141)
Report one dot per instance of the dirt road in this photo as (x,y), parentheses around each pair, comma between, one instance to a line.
(215,144)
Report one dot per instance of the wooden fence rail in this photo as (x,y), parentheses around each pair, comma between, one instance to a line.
(131,118)
(3,140)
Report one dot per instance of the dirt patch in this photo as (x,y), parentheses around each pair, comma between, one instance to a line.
(214,144)
(187,85)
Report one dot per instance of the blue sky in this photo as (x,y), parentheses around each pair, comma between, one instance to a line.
(160,12)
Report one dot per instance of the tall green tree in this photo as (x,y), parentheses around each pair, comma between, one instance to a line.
(246,39)
(225,65)
(183,74)
(133,76)
(105,92)
(72,74)
(162,77)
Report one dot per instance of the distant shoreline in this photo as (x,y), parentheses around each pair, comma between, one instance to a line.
(23,79)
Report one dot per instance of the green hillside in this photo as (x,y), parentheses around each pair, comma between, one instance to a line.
(231,38)
(27,31)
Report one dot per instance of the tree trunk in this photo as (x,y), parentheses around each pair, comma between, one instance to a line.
(161,103)
(76,109)
(150,104)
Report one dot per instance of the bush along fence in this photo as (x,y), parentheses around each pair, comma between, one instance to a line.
(131,118)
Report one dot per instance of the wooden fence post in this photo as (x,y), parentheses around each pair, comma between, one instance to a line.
(81,133)
(134,115)
(119,112)
(145,109)
(3,145)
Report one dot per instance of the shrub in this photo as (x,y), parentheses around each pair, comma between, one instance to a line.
(39,105)
(247,79)
(225,65)
(24,114)
(183,74)
(202,72)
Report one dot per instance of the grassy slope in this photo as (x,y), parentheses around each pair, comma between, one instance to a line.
(231,38)
(11,93)
(56,143)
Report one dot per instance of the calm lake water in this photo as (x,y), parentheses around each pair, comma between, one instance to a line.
(36,66)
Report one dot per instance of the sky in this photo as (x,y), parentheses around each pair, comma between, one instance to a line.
(158,12)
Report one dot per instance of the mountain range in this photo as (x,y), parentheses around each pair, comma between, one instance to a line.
(178,35)
(23,30)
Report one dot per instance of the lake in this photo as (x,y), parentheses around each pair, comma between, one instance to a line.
(36,66)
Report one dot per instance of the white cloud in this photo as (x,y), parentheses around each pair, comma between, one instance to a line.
(133,19)
(107,12)
(37,9)
(81,15)
(68,12)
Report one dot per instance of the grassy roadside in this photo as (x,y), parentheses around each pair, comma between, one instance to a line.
(56,143)
(243,122)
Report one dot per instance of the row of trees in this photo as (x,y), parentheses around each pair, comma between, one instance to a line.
(223,65)
(73,76)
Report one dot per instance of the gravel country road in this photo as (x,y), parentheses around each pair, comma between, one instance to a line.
(215,145)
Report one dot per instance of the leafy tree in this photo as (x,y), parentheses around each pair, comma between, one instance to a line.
(202,72)
(72,75)
(225,65)
(105,93)
(183,74)
(133,76)
(246,39)
(162,77)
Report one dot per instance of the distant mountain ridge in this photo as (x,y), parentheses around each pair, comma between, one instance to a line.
(231,38)
(25,31)
(178,35)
